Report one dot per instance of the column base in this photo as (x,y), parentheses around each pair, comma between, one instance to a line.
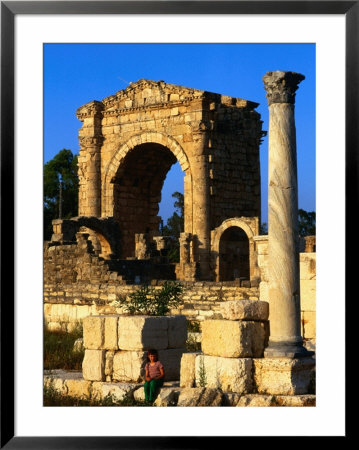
(286,350)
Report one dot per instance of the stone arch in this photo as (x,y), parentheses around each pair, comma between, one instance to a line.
(142,138)
(133,183)
(104,233)
(100,243)
(250,226)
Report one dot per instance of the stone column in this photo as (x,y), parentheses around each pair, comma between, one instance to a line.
(283,240)
(201,211)
(89,161)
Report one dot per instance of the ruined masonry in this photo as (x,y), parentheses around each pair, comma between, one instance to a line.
(128,143)
(258,291)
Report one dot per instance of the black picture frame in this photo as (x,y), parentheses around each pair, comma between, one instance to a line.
(9,9)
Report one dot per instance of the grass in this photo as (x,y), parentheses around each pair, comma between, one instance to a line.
(58,350)
(53,398)
(191,344)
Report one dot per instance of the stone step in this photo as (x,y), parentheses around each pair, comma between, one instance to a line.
(73,384)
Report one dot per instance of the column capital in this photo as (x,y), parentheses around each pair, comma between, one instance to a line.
(281,86)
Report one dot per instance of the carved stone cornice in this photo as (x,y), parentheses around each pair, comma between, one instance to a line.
(91,141)
(92,109)
(155,106)
(281,86)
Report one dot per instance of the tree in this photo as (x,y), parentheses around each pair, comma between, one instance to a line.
(263,229)
(175,223)
(306,223)
(175,226)
(62,168)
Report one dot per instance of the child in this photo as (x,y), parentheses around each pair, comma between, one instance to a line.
(154,375)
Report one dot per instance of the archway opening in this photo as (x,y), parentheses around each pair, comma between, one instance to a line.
(137,192)
(233,254)
(100,244)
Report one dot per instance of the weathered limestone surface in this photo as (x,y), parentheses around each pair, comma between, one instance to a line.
(100,332)
(255,400)
(245,310)
(78,388)
(187,372)
(93,332)
(73,384)
(139,394)
(93,365)
(283,376)
(109,363)
(295,400)
(309,324)
(233,339)
(167,397)
(307,270)
(177,331)
(200,396)
(142,333)
(129,366)
(111,332)
(227,374)
(118,391)
(171,360)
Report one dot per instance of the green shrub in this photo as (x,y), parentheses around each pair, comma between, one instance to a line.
(202,373)
(192,345)
(153,302)
(193,326)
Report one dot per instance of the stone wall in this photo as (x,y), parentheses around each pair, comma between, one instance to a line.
(77,283)
(307,271)
(66,305)
(130,140)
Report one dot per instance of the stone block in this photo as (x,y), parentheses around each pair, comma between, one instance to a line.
(94,332)
(93,365)
(139,394)
(111,332)
(55,383)
(228,374)
(245,310)
(233,339)
(177,331)
(307,295)
(230,398)
(129,366)
(167,397)
(171,360)
(264,291)
(142,332)
(187,372)
(118,391)
(294,400)
(307,266)
(78,388)
(309,324)
(200,397)
(109,362)
(283,376)
(255,400)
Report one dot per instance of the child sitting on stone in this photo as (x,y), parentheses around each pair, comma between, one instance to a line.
(154,375)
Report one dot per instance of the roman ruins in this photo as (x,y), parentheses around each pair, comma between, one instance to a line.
(128,143)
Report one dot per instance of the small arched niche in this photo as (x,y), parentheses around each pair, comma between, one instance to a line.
(233,250)
(233,255)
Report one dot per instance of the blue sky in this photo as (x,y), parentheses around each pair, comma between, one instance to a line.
(75,74)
